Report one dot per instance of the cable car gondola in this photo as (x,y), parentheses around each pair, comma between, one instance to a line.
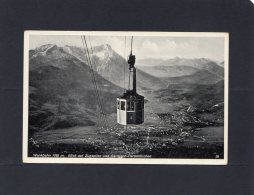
(130,106)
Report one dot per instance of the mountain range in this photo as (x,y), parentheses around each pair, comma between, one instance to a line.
(178,67)
(62,91)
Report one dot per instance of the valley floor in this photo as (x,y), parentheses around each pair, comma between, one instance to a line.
(203,143)
(171,130)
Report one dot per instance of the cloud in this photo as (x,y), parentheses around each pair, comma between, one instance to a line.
(165,48)
(150,46)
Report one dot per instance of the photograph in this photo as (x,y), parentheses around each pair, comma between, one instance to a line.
(125,97)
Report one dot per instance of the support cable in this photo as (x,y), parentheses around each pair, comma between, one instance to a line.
(100,122)
(98,86)
(93,80)
(97,91)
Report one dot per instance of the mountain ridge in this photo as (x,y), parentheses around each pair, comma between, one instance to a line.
(62,92)
(203,77)
(113,67)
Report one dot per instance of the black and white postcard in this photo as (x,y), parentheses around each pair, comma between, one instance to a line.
(125,97)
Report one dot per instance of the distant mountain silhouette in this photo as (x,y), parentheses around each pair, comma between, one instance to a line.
(148,62)
(198,63)
(203,77)
(178,67)
(168,71)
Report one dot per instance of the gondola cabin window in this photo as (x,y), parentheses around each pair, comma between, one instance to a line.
(122,105)
(131,106)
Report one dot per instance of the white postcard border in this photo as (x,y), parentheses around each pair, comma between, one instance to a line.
(161,161)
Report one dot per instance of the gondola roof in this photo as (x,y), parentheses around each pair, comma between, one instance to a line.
(130,94)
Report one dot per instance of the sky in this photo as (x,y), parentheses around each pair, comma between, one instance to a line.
(143,46)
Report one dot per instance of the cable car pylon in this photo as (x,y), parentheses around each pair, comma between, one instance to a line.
(130,106)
